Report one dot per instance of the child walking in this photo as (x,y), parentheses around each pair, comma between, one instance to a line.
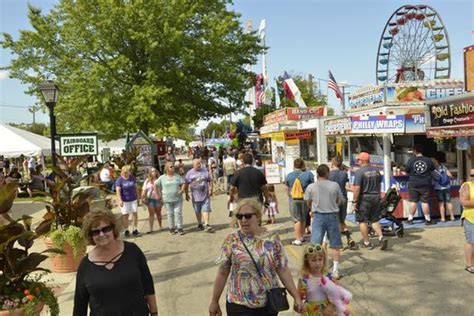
(311,283)
(272,208)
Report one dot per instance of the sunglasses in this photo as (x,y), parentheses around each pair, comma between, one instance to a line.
(105,230)
(247,216)
(313,249)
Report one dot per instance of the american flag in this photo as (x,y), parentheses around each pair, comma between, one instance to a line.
(332,84)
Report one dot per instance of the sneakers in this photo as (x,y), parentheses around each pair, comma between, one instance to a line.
(410,222)
(383,243)
(173,231)
(200,227)
(368,246)
(181,231)
(352,244)
(135,233)
(208,228)
(430,222)
(297,242)
(336,275)
(127,233)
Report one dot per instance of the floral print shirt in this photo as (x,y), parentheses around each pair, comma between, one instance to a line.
(244,285)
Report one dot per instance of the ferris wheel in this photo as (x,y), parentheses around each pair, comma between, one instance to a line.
(414,46)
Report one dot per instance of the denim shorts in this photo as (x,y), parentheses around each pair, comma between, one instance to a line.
(203,206)
(443,195)
(469,231)
(326,223)
(154,203)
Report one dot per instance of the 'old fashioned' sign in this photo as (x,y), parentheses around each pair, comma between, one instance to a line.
(78,145)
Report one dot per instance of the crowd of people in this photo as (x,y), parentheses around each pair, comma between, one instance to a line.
(252,259)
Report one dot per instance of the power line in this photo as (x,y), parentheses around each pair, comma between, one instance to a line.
(14,106)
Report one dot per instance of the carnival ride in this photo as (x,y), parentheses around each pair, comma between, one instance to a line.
(414,46)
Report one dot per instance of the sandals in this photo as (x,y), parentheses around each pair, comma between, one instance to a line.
(470,269)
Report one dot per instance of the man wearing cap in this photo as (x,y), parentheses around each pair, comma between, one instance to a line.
(366,200)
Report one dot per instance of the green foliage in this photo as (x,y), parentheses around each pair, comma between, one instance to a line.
(219,129)
(308,89)
(19,286)
(73,236)
(260,113)
(131,65)
(185,132)
(37,128)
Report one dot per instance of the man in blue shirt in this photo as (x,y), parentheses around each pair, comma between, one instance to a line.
(299,208)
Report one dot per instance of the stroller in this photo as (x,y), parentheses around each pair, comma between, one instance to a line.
(390,225)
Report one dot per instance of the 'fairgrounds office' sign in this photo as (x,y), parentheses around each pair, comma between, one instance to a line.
(78,145)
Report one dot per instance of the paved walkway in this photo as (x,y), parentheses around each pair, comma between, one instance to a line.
(420,274)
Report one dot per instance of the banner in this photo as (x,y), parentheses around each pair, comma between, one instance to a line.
(378,124)
(457,114)
(294,114)
(339,126)
(78,145)
(415,123)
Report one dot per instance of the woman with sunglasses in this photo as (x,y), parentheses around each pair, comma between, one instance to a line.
(113,278)
(246,289)
(171,186)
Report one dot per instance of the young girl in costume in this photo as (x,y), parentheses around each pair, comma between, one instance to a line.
(272,208)
(316,302)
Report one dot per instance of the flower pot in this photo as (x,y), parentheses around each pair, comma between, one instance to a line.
(67,262)
(22,312)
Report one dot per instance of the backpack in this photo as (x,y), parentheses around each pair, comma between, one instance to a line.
(444,179)
(297,192)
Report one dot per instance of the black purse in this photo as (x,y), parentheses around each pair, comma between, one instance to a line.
(276,297)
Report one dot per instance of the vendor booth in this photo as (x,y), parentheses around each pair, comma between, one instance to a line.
(280,133)
(386,121)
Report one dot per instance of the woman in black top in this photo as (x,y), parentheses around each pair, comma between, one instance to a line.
(114,278)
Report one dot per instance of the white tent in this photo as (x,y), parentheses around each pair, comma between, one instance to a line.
(15,142)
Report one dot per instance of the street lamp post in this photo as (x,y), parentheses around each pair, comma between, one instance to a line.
(50,93)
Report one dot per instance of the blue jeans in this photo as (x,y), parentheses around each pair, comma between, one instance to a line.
(326,223)
(174,210)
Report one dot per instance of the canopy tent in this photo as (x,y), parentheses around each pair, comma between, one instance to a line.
(15,142)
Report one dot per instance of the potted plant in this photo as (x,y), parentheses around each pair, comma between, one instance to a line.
(22,291)
(67,205)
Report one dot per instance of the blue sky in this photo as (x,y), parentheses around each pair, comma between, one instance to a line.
(304,36)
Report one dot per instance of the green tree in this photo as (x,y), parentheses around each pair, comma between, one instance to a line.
(127,65)
(260,113)
(219,129)
(36,128)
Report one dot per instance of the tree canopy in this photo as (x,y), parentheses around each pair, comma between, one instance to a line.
(127,65)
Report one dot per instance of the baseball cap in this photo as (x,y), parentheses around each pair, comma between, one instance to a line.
(363,156)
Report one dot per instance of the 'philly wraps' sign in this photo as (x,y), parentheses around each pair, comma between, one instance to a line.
(78,145)
(378,124)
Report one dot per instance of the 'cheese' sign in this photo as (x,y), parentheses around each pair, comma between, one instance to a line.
(78,145)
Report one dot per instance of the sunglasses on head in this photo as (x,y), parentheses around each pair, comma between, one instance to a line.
(247,216)
(105,230)
(313,249)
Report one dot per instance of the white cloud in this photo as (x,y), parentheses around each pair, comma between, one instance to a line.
(4,74)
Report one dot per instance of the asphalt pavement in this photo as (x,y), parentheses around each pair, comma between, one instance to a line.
(420,274)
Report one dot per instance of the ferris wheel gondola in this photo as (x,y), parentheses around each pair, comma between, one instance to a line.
(414,46)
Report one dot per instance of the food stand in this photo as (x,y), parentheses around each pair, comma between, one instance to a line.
(282,135)
(386,121)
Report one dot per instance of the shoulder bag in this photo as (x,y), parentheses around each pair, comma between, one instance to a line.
(276,297)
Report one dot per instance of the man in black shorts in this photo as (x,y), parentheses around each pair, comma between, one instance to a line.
(366,200)
(420,169)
